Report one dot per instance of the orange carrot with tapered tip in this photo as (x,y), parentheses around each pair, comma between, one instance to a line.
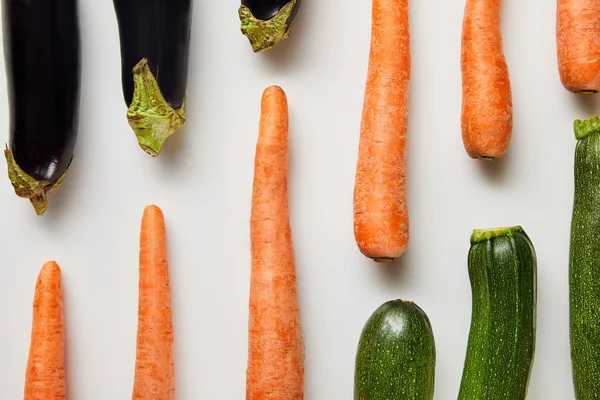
(578,45)
(275,350)
(380,209)
(45,377)
(487,99)
(154,367)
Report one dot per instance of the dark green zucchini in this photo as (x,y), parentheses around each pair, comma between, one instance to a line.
(584,268)
(501,347)
(396,355)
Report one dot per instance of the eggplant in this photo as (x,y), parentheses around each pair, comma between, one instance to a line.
(43,72)
(155,40)
(267,22)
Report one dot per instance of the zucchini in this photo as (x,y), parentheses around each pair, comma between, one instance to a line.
(396,355)
(501,346)
(584,266)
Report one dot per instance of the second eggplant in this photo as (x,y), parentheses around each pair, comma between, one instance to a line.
(267,22)
(155,39)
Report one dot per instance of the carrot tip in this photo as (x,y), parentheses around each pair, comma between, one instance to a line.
(51,265)
(383,260)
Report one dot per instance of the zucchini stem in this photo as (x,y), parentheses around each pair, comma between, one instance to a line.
(263,35)
(586,127)
(29,188)
(481,235)
(153,120)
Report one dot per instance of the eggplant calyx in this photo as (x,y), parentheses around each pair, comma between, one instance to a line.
(263,35)
(27,187)
(153,120)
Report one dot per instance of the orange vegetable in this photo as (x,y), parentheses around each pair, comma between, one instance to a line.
(487,99)
(154,367)
(45,377)
(275,350)
(578,45)
(380,209)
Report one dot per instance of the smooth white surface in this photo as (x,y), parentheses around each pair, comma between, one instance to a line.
(203,180)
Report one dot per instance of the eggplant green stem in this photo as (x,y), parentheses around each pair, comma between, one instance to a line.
(263,35)
(481,235)
(586,127)
(27,187)
(153,120)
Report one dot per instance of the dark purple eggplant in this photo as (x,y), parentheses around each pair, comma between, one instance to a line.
(155,39)
(43,64)
(267,22)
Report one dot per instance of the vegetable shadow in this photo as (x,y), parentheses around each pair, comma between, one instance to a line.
(496,170)
(171,152)
(62,201)
(70,390)
(395,274)
(291,51)
(589,104)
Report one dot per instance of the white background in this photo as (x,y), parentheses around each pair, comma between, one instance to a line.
(203,180)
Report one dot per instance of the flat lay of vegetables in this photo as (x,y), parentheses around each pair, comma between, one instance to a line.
(381,226)
(154,365)
(275,343)
(45,377)
(578,47)
(487,99)
(396,354)
(155,41)
(584,265)
(503,272)
(267,22)
(43,62)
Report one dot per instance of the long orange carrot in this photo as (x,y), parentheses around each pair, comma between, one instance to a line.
(487,99)
(45,377)
(578,45)
(275,350)
(154,367)
(380,210)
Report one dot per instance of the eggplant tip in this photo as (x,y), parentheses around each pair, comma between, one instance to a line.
(263,35)
(150,116)
(27,187)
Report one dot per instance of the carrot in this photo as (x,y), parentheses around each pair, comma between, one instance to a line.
(275,346)
(154,367)
(45,376)
(380,210)
(487,99)
(578,45)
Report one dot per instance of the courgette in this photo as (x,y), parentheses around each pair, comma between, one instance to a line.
(396,355)
(584,268)
(500,351)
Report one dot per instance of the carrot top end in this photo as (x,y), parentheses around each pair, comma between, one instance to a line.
(383,260)
(481,235)
(27,187)
(583,128)
(150,116)
(263,35)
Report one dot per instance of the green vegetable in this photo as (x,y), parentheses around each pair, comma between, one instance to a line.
(500,351)
(584,269)
(396,355)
